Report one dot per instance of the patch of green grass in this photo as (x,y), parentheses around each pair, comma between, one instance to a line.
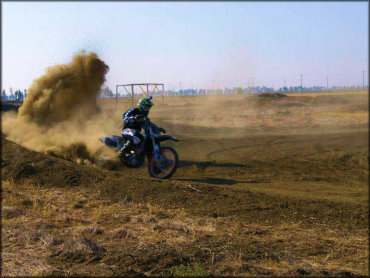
(346,157)
(191,270)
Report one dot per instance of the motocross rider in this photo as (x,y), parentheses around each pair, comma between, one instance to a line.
(133,121)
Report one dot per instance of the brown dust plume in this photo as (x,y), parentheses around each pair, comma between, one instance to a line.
(60,114)
(64,89)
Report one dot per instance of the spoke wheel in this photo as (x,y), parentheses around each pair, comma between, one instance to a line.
(166,166)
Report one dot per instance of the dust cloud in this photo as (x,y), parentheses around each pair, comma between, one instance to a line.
(60,115)
(65,89)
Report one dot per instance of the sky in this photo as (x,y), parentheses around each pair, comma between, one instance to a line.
(200,44)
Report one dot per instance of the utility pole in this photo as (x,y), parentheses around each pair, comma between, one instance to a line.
(284,83)
(301,83)
(363,79)
(327,83)
(180,86)
(116,94)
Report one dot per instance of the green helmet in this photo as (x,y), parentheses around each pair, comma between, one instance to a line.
(145,103)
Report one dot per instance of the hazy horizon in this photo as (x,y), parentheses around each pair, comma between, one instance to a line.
(200,44)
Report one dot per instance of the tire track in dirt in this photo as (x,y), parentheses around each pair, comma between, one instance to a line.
(272,144)
(224,149)
(300,159)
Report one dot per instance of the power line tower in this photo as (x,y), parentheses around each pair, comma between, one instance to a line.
(301,83)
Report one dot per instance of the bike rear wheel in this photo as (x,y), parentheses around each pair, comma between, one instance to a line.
(166,166)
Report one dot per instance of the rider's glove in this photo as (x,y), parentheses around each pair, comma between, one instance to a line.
(162,130)
(139,117)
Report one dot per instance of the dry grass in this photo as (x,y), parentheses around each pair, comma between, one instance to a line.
(61,223)
(78,231)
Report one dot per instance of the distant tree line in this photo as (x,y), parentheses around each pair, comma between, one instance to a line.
(18,95)
(106,92)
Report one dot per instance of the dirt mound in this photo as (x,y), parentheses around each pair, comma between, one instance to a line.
(20,164)
(7,106)
(272,95)
(75,152)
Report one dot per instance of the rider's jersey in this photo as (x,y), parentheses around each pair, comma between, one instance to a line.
(129,120)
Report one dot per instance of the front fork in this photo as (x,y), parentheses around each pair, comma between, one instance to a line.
(156,148)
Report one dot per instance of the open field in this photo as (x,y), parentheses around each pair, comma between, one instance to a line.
(330,93)
(267,186)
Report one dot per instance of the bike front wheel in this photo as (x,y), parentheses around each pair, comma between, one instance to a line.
(164,167)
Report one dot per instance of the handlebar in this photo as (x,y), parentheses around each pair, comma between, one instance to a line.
(148,124)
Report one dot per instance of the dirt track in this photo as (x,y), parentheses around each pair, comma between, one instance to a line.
(272,199)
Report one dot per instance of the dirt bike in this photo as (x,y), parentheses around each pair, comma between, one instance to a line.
(162,161)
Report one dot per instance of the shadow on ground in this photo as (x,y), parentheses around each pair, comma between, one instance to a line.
(212,181)
(205,164)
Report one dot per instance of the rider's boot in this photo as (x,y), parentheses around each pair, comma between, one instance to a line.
(127,146)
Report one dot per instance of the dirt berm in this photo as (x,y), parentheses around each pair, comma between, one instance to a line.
(20,164)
